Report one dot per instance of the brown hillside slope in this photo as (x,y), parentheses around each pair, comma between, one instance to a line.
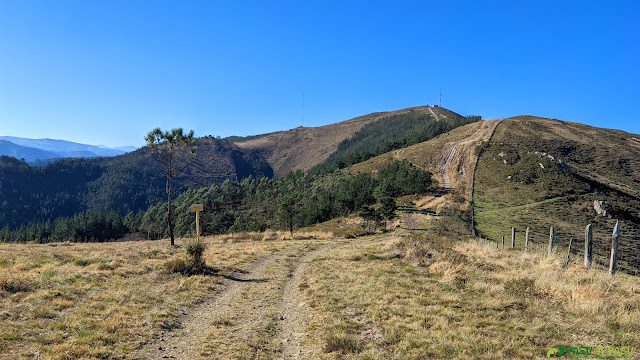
(450,157)
(303,148)
(610,157)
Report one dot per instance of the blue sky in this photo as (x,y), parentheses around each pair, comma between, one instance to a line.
(107,72)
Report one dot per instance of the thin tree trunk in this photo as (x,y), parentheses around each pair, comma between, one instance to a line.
(291,227)
(170,210)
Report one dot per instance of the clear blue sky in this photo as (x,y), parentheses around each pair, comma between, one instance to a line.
(107,72)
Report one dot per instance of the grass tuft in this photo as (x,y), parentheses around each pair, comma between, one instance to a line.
(343,343)
(13,285)
(83,262)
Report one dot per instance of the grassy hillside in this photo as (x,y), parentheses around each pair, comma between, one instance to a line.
(465,301)
(541,173)
(461,143)
(97,301)
(304,148)
(392,296)
(535,173)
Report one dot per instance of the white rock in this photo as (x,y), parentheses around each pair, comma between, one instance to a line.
(597,206)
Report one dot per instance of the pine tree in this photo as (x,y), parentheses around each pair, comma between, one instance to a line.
(173,150)
(386,202)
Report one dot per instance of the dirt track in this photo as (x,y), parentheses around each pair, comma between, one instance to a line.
(446,183)
(256,315)
(456,163)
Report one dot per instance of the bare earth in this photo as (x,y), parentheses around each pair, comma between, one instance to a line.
(259,314)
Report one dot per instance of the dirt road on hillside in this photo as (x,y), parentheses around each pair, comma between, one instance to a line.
(446,183)
(257,315)
(434,114)
(456,166)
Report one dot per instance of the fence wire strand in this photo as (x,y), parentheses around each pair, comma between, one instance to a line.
(628,246)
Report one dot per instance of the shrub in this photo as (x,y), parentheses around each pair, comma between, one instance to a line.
(193,264)
(417,249)
(195,249)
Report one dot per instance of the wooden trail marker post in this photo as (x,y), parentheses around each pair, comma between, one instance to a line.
(513,237)
(197,208)
(588,246)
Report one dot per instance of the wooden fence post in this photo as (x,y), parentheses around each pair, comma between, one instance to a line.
(503,241)
(513,237)
(569,251)
(526,240)
(613,262)
(552,235)
(588,246)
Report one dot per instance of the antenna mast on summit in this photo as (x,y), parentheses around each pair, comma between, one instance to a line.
(440,97)
(302,109)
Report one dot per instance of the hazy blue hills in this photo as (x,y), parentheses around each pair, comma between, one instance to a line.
(33,150)
(30,154)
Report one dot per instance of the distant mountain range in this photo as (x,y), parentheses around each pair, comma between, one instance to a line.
(43,150)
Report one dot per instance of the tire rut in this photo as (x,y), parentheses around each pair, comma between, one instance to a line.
(446,183)
(291,332)
(217,313)
(294,308)
(255,317)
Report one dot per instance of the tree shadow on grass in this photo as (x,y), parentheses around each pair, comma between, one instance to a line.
(228,273)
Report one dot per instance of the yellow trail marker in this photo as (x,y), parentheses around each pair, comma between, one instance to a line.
(197,208)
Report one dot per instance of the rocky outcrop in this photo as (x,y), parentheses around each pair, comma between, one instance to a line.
(597,206)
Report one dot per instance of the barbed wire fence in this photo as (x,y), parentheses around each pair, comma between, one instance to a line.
(628,250)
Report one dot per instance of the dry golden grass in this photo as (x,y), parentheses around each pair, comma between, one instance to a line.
(344,227)
(469,301)
(103,300)
(395,296)
(318,231)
